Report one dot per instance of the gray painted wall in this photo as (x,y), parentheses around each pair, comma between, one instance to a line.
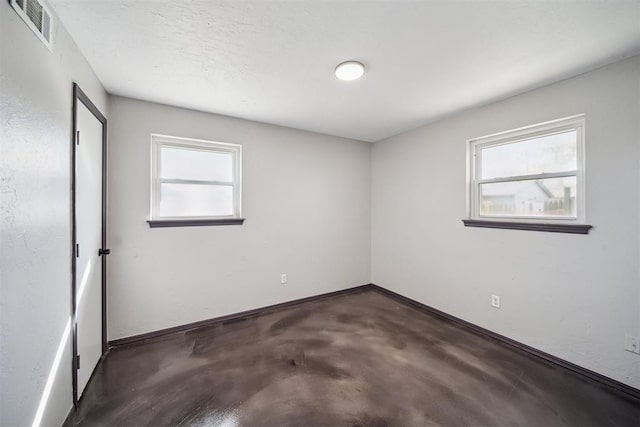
(306,198)
(573,296)
(35,217)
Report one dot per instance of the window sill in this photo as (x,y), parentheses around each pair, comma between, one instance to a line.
(193,222)
(553,228)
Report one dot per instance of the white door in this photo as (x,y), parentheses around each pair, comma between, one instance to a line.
(89,240)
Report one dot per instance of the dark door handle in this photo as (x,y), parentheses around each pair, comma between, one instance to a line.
(104,252)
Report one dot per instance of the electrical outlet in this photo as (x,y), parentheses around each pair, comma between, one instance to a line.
(495,301)
(283,278)
(632,343)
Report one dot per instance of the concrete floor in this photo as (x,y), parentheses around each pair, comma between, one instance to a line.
(361,359)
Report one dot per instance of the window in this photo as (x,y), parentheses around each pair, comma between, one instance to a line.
(194,182)
(532,175)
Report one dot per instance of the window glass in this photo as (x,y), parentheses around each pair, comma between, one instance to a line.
(192,200)
(545,154)
(552,197)
(194,164)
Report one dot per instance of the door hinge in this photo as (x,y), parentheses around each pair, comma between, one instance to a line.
(77,361)
(77,250)
(77,137)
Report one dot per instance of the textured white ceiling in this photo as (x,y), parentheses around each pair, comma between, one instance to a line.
(273,61)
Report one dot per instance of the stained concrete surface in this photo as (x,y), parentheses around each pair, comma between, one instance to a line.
(361,359)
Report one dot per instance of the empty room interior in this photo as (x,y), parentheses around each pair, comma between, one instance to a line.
(319,213)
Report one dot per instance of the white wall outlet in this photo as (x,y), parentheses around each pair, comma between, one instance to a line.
(632,343)
(495,301)
(283,278)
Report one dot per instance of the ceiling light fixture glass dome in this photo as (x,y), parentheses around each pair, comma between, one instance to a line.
(349,70)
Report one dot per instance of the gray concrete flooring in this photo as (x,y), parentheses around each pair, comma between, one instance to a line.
(361,359)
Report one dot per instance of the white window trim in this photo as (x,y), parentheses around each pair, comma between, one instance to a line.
(158,141)
(474,146)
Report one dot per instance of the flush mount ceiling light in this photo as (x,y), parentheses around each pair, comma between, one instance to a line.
(349,70)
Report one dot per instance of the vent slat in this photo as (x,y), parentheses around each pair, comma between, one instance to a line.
(34,12)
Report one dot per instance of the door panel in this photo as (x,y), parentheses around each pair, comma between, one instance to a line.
(89,240)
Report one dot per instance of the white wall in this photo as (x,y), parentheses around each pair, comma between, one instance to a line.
(306,198)
(573,296)
(35,217)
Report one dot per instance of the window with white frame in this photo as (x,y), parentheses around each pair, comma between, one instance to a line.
(194,179)
(531,174)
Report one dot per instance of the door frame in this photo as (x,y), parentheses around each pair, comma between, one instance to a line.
(80,96)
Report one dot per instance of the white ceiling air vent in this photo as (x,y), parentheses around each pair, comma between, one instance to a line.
(37,16)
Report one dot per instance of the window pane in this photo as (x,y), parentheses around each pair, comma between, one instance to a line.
(184,163)
(553,197)
(546,154)
(195,200)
